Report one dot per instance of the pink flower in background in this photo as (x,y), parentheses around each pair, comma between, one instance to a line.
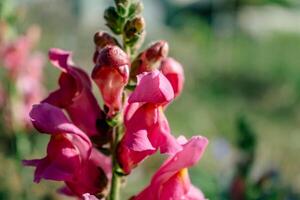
(111,74)
(2,97)
(25,74)
(147,128)
(171,181)
(174,73)
(68,149)
(75,93)
(29,87)
(15,55)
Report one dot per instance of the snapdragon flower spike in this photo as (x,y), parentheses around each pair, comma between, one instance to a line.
(145,61)
(111,74)
(75,93)
(171,181)
(68,149)
(147,128)
(174,73)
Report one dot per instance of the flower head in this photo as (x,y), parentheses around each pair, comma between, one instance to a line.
(147,128)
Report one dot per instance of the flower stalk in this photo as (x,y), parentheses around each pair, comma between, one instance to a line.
(116,179)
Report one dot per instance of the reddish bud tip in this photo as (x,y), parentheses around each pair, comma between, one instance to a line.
(112,56)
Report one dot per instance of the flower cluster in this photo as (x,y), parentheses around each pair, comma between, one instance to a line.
(92,147)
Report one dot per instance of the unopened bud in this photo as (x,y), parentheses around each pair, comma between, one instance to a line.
(146,61)
(113,20)
(134,32)
(113,56)
(122,2)
(157,51)
(135,9)
(102,39)
(133,28)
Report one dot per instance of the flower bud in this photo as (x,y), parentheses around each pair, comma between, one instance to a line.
(123,2)
(113,20)
(133,30)
(102,39)
(145,62)
(135,9)
(111,74)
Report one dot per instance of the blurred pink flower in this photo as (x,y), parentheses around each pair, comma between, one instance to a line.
(75,93)
(147,128)
(111,74)
(15,55)
(171,181)
(2,97)
(174,73)
(25,74)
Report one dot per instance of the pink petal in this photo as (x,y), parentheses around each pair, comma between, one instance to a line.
(189,156)
(61,59)
(152,87)
(47,118)
(174,73)
(138,141)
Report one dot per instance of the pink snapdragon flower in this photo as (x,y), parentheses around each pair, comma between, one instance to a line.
(70,155)
(147,128)
(75,93)
(68,149)
(174,73)
(171,181)
(111,74)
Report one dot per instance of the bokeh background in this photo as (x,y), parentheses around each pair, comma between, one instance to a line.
(242,68)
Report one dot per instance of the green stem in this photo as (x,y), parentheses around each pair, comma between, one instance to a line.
(115,182)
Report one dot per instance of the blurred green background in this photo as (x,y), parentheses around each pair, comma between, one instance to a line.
(241,59)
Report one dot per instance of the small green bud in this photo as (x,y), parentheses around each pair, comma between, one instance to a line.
(134,32)
(122,10)
(135,9)
(134,27)
(125,3)
(113,20)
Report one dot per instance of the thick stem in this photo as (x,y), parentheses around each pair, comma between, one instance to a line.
(115,182)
